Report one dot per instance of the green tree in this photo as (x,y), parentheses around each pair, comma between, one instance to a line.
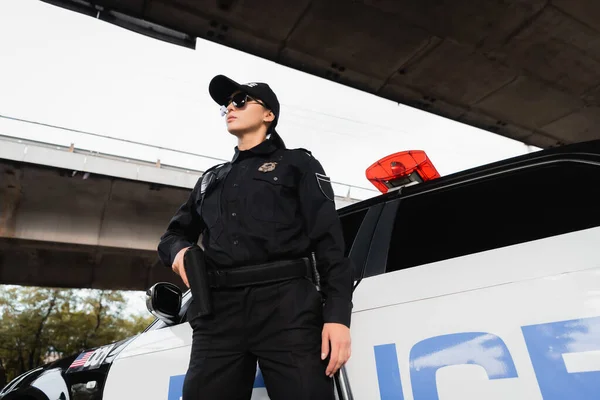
(35,322)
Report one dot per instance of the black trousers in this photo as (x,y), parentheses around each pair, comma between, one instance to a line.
(279,325)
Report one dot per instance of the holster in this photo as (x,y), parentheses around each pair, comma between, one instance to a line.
(197,274)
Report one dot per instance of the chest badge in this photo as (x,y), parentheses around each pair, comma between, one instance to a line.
(267,167)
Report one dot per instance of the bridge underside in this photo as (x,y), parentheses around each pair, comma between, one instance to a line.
(525,69)
(51,264)
(70,230)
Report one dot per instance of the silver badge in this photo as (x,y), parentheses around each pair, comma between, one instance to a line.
(267,167)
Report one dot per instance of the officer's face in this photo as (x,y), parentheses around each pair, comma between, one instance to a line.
(248,118)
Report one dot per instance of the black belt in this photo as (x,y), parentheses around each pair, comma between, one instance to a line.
(260,274)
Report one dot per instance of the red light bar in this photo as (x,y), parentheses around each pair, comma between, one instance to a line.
(401,169)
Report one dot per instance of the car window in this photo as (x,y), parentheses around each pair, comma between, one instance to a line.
(513,208)
(350,226)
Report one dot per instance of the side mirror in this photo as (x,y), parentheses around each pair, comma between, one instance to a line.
(163,300)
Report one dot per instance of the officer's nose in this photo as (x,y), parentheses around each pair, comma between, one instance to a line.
(230,107)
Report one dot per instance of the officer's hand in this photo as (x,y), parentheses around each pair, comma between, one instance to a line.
(178,266)
(338,336)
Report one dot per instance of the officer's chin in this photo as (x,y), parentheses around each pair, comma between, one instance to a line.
(236,129)
(236,132)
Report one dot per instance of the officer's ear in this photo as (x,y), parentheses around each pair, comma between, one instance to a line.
(269,116)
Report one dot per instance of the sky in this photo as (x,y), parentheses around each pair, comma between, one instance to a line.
(66,69)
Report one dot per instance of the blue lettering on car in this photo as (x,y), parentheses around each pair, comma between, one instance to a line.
(546,344)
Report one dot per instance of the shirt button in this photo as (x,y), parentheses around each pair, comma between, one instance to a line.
(235,185)
(233,214)
(276,178)
(235,242)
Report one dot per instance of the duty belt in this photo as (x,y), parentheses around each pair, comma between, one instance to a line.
(202,278)
(260,274)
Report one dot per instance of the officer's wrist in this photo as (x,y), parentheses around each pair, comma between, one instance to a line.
(177,247)
(337,310)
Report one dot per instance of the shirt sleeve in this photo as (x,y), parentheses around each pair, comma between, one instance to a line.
(183,230)
(325,232)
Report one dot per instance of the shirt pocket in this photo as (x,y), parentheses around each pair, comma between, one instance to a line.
(273,197)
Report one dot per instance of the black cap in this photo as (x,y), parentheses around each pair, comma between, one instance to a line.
(221,88)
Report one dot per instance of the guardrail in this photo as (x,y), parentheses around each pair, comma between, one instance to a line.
(72,140)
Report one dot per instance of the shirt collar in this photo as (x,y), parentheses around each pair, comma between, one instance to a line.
(266,147)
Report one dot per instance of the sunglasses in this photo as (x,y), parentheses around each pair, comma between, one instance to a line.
(239,100)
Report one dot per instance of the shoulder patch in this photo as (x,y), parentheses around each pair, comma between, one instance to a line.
(324,183)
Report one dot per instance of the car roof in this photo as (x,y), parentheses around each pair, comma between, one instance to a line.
(581,149)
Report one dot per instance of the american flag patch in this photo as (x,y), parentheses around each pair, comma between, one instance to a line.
(81,359)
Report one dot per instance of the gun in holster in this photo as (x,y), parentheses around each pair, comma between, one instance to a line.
(197,274)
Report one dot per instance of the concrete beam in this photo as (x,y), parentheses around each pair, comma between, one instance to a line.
(37,263)
(10,197)
(55,205)
(585,13)
(529,101)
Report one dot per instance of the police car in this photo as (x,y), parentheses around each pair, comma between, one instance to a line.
(484,284)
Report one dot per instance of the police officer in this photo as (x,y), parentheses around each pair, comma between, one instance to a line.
(270,234)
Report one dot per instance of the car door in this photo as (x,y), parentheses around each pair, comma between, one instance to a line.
(486,288)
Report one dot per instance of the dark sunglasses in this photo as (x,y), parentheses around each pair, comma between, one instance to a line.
(239,100)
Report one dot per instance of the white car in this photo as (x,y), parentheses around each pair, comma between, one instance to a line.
(484,284)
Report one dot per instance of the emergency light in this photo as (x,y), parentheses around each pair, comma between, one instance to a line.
(401,169)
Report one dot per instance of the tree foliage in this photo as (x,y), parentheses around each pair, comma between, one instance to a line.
(37,323)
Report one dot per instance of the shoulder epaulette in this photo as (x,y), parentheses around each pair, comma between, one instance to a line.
(303,150)
(214,167)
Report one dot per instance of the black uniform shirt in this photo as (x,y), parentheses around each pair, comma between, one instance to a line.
(273,204)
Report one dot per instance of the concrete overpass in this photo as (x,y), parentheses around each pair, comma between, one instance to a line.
(524,69)
(74,217)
